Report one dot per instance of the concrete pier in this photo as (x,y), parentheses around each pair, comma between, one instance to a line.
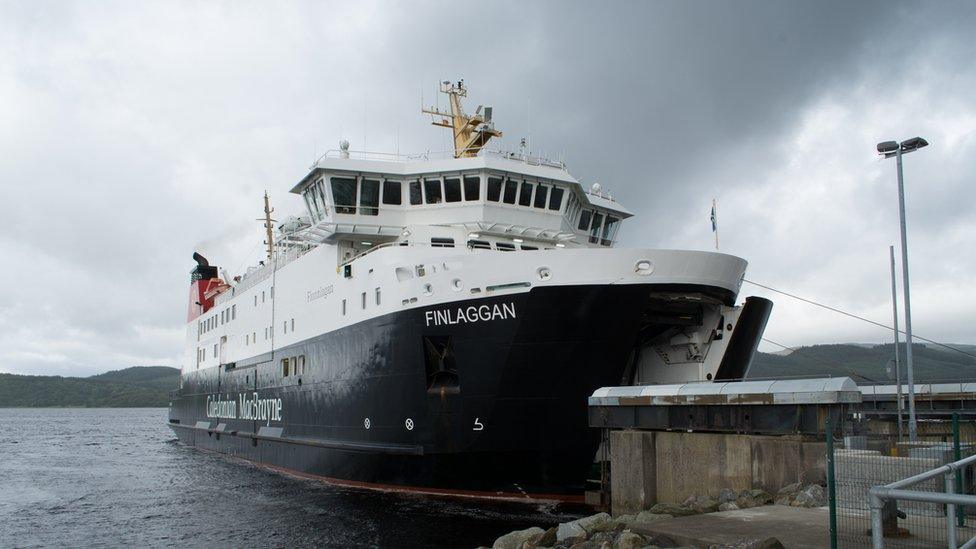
(649,467)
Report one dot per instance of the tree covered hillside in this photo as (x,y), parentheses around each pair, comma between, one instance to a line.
(139,386)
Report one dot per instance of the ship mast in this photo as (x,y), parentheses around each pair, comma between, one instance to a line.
(268,225)
(471,133)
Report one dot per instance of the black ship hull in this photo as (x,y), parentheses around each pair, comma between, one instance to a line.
(485,395)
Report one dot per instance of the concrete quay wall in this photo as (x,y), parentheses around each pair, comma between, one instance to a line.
(649,467)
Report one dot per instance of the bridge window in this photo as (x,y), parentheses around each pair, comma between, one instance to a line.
(511,190)
(479,244)
(344,195)
(391,193)
(609,230)
(541,193)
(494,188)
(595,229)
(442,242)
(415,193)
(584,223)
(525,197)
(556,199)
(432,191)
(369,197)
(504,247)
(452,189)
(472,187)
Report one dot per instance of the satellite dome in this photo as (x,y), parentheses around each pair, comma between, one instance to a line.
(596,188)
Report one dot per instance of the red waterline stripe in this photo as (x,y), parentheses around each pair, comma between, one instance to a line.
(443,492)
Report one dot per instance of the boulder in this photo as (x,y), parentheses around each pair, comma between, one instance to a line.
(705,504)
(624,521)
(547,539)
(592,545)
(570,530)
(647,516)
(789,489)
(811,496)
(689,501)
(671,509)
(514,540)
(761,497)
(600,522)
(601,537)
(728,506)
(628,540)
(727,495)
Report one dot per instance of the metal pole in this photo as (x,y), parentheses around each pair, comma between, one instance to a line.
(950,488)
(894,313)
(831,490)
(877,530)
(957,455)
(912,425)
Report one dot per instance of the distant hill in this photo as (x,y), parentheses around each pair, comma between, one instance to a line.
(139,386)
(866,364)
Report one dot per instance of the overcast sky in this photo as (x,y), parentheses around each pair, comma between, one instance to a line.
(133,133)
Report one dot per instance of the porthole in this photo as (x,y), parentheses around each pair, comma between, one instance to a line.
(644,267)
(428,289)
(544,273)
(457,285)
(728,327)
(367,424)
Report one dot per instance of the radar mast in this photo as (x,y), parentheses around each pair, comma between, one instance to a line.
(471,133)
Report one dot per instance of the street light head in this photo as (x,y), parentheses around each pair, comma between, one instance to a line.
(913,144)
(887,147)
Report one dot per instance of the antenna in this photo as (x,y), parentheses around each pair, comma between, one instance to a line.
(471,132)
(268,225)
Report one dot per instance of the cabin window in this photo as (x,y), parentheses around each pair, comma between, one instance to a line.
(364,300)
(479,244)
(343,307)
(377,295)
(369,197)
(391,193)
(215,350)
(247,339)
(494,189)
(262,296)
(504,247)
(556,199)
(472,188)
(584,223)
(265,334)
(255,300)
(452,189)
(254,337)
(525,197)
(541,193)
(511,190)
(284,367)
(344,195)
(609,230)
(441,242)
(284,327)
(595,229)
(432,191)
(233,312)
(293,324)
(415,194)
(272,292)
(529,248)
(300,367)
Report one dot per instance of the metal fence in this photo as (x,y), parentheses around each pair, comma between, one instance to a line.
(870,452)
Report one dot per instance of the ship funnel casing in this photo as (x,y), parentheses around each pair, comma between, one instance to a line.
(200,280)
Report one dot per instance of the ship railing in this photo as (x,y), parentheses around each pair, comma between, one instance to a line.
(518,156)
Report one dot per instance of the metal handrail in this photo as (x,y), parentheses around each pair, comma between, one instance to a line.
(436,155)
(896,491)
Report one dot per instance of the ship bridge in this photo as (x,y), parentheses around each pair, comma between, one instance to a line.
(491,199)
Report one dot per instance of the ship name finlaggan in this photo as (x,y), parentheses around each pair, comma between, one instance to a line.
(470,314)
(436,321)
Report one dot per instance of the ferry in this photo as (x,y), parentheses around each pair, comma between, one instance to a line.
(436,322)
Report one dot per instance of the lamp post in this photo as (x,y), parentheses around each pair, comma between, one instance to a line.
(895,149)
